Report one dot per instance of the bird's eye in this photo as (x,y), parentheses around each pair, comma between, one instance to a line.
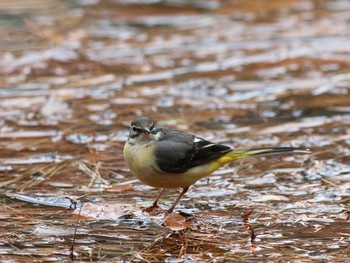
(152,127)
(136,130)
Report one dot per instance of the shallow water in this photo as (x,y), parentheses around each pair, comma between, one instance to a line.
(243,73)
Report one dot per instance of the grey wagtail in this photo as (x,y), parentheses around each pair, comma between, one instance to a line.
(164,157)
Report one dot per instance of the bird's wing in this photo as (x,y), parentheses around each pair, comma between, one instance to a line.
(177,151)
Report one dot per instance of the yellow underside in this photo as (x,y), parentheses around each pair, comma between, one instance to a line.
(139,161)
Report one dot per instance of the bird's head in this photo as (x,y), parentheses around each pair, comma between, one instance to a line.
(143,130)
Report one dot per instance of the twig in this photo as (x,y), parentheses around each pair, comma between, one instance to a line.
(71,250)
(329,182)
(249,226)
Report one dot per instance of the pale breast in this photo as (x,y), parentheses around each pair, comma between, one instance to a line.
(140,160)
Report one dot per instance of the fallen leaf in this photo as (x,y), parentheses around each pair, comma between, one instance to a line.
(107,211)
(119,188)
(77,217)
(177,222)
(267,198)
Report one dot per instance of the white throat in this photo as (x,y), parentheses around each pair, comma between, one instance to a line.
(144,139)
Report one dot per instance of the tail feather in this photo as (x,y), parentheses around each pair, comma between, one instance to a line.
(271,150)
(242,153)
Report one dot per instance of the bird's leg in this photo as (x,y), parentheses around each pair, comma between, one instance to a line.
(184,191)
(155,203)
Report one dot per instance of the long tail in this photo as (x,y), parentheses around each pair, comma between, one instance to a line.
(242,153)
(269,150)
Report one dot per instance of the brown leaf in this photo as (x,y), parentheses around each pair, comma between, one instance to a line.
(119,188)
(267,198)
(177,222)
(76,217)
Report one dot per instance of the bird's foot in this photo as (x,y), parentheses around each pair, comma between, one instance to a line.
(149,208)
(169,211)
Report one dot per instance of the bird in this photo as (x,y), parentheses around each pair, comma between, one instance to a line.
(164,157)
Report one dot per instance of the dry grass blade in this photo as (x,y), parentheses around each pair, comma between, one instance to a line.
(329,182)
(23,176)
(45,173)
(94,174)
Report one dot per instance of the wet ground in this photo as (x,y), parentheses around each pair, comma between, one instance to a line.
(243,73)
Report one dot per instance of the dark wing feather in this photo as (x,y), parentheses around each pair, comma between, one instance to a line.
(178,151)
